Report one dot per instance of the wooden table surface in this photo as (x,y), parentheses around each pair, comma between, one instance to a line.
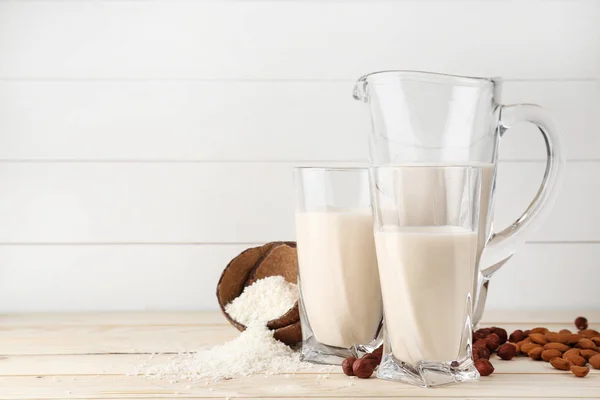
(93,356)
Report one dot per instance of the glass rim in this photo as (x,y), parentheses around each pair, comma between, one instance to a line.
(428,76)
(335,169)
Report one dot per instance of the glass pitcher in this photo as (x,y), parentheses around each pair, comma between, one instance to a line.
(429,119)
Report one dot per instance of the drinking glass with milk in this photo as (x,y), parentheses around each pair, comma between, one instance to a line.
(427,268)
(428,119)
(338,282)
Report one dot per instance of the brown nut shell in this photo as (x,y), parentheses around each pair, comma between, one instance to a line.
(276,258)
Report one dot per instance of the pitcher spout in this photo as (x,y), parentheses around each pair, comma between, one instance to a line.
(360,89)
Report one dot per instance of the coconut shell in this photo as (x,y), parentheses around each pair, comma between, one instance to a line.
(277,258)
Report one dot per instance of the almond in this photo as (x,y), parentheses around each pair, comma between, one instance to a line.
(572,352)
(576,360)
(595,361)
(540,329)
(596,340)
(548,355)
(538,338)
(565,331)
(527,347)
(556,346)
(589,333)
(557,337)
(588,353)
(586,344)
(580,372)
(560,363)
(574,339)
(536,352)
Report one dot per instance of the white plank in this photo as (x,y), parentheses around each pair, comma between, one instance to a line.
(112,339)
(122,364)
(254,121)
(104,339)
(297,386)
(560,317)
(112,278)
(154,277)
(225,202)
(266,39)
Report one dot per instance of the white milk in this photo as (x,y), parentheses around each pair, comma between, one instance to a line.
(339,280)
(426,275)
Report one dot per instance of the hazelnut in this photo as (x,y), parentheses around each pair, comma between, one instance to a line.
(526,333)
(560,363)
(363,368)
(347,365)
(536,353)
(501,334)
(507,351)
(484,331)
(516,336)
(548,355)
(581,323)
(579,372)
(492,342)
(373,357)
(539,338)
(481,352)
(478,336)
(484,367)
(595,361)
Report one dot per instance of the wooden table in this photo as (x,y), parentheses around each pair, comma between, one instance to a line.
(93,356)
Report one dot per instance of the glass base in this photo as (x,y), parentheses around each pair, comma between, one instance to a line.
(319,353)
(427,374)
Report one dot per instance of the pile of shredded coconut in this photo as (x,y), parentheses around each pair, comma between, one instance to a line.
(264,300)
(254,351)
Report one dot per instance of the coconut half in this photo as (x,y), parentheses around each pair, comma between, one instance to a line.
(275,258)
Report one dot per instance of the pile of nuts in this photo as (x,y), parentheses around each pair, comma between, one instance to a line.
(363,367)
(564,350)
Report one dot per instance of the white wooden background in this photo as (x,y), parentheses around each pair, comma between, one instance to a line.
(145,143)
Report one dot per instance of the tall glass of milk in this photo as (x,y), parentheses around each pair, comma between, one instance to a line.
(339,293)
(427,257)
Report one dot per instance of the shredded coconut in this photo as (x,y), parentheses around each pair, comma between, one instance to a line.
(264,300)
(254,351)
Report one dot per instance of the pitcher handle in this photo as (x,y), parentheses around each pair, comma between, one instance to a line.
(502,245)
